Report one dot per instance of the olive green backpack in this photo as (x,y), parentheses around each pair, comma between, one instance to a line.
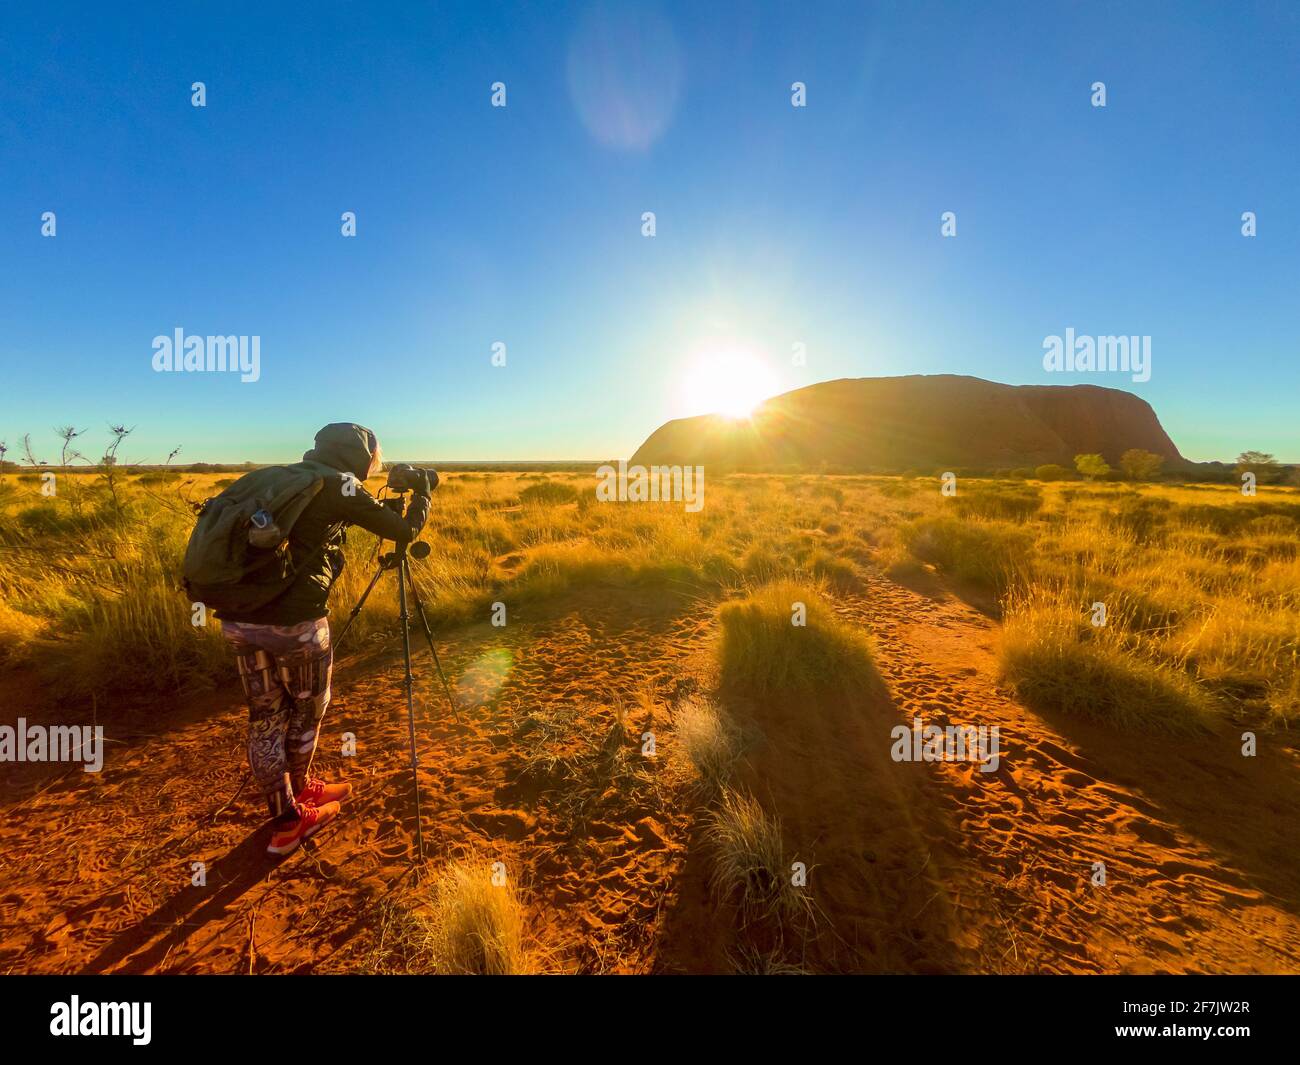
(238,556)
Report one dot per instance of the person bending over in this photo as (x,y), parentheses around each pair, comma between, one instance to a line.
(283,648)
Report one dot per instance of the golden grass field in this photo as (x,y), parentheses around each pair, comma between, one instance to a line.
(769,742)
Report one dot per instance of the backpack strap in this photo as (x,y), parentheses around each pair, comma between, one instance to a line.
(311,559)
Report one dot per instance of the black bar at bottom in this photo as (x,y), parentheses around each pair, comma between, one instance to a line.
(383,1014)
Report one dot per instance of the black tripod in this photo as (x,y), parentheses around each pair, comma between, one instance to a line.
(397,560)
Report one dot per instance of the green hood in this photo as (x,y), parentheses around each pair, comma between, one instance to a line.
(344,446)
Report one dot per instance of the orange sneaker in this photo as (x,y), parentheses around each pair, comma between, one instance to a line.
(311,819)
(317,792)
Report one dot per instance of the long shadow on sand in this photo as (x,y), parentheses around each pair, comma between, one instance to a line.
(188,911)
(1245,809)
(876,836)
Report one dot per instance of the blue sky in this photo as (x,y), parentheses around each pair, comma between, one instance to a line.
(775,225)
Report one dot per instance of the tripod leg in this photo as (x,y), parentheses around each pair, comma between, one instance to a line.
(410,703)
(428,638)
(357,609)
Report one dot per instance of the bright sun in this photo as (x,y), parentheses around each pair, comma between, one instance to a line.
(731,382)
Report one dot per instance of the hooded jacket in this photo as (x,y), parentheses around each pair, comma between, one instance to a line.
(346,449)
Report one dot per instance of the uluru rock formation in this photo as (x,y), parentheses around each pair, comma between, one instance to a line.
(917,421)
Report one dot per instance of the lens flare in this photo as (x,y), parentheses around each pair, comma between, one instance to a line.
(625,74)
(482,680)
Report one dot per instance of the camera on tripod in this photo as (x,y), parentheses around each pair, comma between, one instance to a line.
(403,478)
(406,478)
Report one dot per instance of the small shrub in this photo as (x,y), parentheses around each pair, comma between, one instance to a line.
(1053,472)
(1056,661)
(985,552)
(1138,516)
(749,863)
(709,739)
(1008,504)
(476,927)
(765,653)
(548,492)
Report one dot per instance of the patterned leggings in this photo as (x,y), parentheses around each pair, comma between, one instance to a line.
(285,670)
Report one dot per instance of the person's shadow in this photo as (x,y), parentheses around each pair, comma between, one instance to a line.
(189,910)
